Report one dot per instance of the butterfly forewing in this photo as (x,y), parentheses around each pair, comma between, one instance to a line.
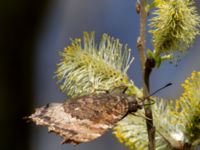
(84,118)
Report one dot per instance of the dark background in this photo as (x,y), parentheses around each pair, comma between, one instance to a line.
(32,33)
(18,32)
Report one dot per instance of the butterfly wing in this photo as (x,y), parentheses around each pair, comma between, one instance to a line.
(82,119)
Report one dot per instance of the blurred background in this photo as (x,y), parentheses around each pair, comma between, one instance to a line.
(32,33)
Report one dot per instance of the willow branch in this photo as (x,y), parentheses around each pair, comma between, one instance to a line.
(146,66)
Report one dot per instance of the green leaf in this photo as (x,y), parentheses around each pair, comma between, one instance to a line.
(150,54)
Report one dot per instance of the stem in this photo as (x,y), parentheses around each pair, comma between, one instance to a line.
(187,146)
(149,64)
(146,66)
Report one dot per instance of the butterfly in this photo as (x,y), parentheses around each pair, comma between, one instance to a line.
(85,118)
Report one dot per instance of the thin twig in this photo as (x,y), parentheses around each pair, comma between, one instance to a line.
(146,65)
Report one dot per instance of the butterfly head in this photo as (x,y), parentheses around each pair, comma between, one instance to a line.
(133,105)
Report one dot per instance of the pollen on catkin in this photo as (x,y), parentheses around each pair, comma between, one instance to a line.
(188,108)
(86,66)
(174,25)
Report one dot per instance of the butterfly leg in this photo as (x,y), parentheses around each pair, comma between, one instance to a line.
(103,90)
(119,89)
(140,116)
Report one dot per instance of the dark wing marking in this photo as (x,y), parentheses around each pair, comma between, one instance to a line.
(82,119)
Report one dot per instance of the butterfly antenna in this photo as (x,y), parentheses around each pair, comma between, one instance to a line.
(143,99)
(169,84)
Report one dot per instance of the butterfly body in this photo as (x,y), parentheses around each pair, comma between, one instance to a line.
(85,118)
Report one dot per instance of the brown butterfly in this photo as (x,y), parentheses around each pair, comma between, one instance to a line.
(86,118)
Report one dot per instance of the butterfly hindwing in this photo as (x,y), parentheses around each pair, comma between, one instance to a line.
(82,119)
